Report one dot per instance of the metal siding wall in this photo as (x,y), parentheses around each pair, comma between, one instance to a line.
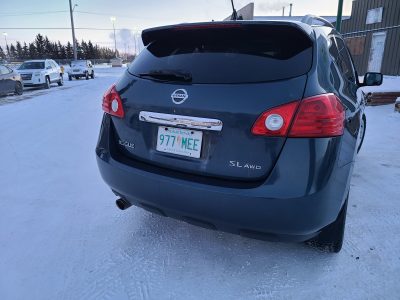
(391,56)
(359,15)
(388,15)
(396,49)
(391,17)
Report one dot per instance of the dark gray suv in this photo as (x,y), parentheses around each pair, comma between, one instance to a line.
(242,126)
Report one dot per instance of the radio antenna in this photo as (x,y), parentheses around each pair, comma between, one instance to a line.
(234,14)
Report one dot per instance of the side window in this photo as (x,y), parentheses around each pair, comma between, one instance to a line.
(4,70)
(52,64)
(333,50)
(344,62)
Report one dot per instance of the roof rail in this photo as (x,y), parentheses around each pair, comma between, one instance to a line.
(309,19)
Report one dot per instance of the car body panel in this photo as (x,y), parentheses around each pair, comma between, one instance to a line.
(8,80)
(37,77)
(80,68)
(294,211)
(304,185)
(219,149)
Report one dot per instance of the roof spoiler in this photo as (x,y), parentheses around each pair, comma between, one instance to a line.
(309,20)
(152,34)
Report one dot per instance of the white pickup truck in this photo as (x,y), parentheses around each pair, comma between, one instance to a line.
(40,72)
(81,68)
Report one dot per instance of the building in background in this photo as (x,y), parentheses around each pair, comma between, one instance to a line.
(372,34)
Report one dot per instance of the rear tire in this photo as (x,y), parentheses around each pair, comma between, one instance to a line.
(331,237)
(92,75)
(19,90)
(363,128)
(61,81)
(87,76)
(69,78)
(47,84)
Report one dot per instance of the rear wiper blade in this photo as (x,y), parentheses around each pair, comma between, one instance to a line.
(168,75)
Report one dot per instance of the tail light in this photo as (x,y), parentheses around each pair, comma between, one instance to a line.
(275,121)
(112,103)
(318,116)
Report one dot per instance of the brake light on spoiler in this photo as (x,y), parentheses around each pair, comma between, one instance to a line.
(317,116)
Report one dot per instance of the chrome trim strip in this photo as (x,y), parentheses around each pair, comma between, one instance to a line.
(181,121)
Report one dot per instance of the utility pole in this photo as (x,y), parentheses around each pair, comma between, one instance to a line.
(339,15)
(73,30)
(115,37)
(283,11)
(134,38)
(7,49)
(290,10)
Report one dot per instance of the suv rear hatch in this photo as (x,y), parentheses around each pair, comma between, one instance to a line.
(215,80)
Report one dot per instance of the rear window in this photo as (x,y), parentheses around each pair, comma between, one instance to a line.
(78,63)
(241,54)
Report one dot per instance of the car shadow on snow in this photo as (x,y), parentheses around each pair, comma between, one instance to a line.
(176,244)
(154,257)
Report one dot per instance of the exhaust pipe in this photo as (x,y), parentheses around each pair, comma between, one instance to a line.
(122,204)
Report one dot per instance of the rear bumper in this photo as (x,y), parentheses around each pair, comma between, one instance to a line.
(300,196)
(77,74)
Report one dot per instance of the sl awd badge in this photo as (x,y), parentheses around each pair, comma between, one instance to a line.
(127,144)
(179,96)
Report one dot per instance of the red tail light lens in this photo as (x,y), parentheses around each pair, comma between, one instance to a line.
(275,121)
(319,116)
(112,103)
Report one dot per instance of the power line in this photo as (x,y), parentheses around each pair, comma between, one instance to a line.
(31,13)
(18,14)
(108,14)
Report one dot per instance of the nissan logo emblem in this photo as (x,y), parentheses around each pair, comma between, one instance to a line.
(179,96)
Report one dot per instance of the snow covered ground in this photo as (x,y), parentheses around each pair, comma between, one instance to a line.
(61,236)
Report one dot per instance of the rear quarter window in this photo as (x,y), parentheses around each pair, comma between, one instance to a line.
(235,55)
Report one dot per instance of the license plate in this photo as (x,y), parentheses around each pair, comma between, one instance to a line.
(179,141)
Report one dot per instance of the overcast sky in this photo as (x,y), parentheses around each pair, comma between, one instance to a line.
(134,15)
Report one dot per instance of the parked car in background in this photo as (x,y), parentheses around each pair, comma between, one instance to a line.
(262,145)
(10,81)
(81,68)
(41,72)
